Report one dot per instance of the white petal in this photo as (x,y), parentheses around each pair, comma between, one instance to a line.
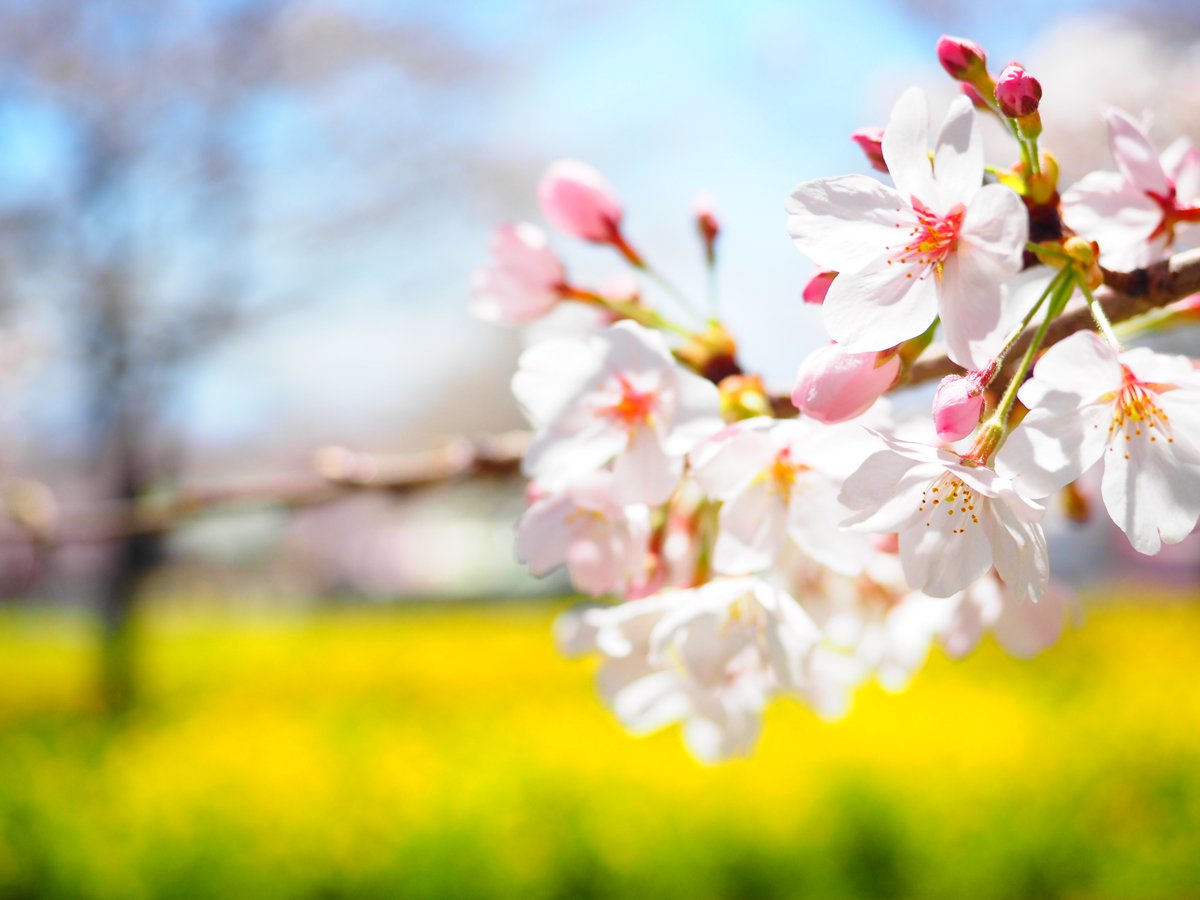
(552,459)
(958,160)
(814,523)
(1136,157)
(729,460)
(1019,550)
(1051,448)
(1077,370)
(906,147)
(1105,208)
(997,223)
(886,491)
(1151,496)
(974,319)
(543,535)
(944,550)
(842,223)
(696,411)
(644,472)
(880,306)
(1026,629)
(752,526)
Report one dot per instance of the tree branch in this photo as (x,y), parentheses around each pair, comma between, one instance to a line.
(336,473)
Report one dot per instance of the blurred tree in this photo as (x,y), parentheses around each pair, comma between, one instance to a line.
(149,119)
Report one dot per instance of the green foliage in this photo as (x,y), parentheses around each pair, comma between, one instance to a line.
(452,753)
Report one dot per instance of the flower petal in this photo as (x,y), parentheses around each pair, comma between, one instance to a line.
(1136,157)
(906,147)
(881,306)
(752,526)
(842,223)
(958,159)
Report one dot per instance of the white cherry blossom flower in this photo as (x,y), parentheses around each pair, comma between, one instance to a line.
(940,243)
(955,520)
(711,657)
(602,542)
(1132,213)
(1137,410)
(619,397)
(779,480)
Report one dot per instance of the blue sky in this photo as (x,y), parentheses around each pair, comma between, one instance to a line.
(742,99)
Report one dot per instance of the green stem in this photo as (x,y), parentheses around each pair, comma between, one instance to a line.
(628,309)
(1100,317)
(1062,291)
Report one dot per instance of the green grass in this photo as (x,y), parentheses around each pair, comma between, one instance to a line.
(452,753)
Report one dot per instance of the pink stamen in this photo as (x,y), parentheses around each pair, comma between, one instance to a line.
(634,408)
(932,239)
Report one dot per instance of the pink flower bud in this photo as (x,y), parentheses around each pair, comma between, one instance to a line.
(707,224)
(833,385)
(818,287)
(1017,92)
(576,199)
(957,405)
(870,141)
(963,59)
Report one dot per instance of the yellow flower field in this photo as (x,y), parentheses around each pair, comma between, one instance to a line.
(450,752)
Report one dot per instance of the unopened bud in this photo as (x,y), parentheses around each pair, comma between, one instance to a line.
(576,199)
(707,225)
(743,397)
(818,286)
(957,405)
(964,60)
(833,385)
(870,141)
(1017,92)
(1076,505)
(711,353)
(1086,260)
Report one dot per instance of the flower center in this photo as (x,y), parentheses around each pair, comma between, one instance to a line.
(1136,412)
(931,239)
(951,497)
(634,407)
(783,471)
(1173,212)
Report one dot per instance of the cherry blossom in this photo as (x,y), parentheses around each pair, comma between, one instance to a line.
(602,543)
(1137,410)
(955,519)
(524,281)
(1133,213)
(779,481)
(619,397)
(941,243)
(711,657)
(1018,93)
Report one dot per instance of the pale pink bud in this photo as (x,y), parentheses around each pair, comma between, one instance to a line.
(523,282)
(870,141)
(576,199)
(1017,92)
(957,405)
(833,385)
(818,287)
(963,59)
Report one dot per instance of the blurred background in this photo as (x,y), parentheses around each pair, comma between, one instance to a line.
(233,233)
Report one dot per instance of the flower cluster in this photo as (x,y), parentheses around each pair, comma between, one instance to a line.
(758,549)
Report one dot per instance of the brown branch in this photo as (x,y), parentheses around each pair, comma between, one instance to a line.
(336,473)
(1123,296)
